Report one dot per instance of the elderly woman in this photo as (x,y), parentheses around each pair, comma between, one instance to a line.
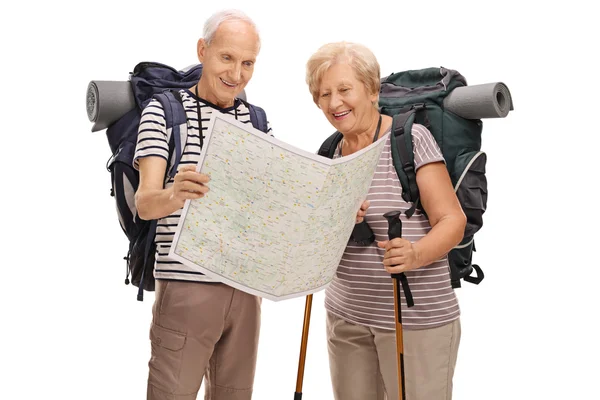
(344,80)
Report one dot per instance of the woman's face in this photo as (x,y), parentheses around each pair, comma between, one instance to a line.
(345,100)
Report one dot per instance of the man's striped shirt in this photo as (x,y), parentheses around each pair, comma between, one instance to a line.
(152,141)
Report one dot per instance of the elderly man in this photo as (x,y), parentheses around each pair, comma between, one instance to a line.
(199,327)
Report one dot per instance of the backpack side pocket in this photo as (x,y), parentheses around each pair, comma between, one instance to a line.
(471,190)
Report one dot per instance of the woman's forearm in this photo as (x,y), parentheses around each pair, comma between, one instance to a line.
(447,233)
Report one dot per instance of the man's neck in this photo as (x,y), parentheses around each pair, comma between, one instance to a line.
(201,91)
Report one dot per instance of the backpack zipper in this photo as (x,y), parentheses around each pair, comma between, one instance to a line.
(148,64)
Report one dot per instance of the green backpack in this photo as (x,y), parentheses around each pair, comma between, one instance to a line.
(417,96)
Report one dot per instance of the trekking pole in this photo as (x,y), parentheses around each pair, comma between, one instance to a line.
(307,307)
(395,231)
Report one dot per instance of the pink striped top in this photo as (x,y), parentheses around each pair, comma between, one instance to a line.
(362,290)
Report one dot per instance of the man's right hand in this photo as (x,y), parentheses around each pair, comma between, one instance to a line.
(189,184)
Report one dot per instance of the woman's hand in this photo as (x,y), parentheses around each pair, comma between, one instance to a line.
(400,255)
(360,215)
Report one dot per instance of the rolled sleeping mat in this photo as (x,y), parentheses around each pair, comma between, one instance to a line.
(107,101)
(489,100)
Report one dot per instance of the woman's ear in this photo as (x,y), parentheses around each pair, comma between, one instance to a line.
(375,98)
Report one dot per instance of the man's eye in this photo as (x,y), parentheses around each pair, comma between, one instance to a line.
(226,58)
(325,95)
(248,63)
(344,90)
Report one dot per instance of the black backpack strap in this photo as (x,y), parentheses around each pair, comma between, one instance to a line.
(174,117)
(328,147)
(403,156)
(402,153)
(472,279)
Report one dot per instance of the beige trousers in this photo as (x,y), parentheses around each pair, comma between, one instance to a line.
(363,364)
(202,329)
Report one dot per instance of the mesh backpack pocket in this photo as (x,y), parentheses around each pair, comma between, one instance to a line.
(471,190)
(124,183)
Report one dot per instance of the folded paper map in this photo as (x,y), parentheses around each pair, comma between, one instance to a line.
(276,219)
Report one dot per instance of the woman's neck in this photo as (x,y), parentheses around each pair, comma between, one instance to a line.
(354,142)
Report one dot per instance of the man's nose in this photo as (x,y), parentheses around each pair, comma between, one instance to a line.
(236,73)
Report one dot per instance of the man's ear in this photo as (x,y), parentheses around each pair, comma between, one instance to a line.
(201,50)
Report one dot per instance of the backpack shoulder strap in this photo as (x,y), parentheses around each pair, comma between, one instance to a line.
(175,119)
(258,116)
(403,156)
(328,147)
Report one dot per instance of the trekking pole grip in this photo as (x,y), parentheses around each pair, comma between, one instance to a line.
(395,231)
(394,224)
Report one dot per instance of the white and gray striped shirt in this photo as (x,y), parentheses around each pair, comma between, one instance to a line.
(362,290)
(152,142)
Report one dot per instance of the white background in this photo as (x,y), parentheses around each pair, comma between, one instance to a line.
(70,328)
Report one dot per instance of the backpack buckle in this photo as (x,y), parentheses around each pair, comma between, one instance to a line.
(422,107)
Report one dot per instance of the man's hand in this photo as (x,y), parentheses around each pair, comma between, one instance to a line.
(189,184)
(360,215)
(400,255)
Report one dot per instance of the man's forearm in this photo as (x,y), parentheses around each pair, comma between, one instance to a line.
(156,203)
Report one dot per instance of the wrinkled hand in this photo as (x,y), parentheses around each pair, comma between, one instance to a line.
(360,215)
(189,184)
(400,255)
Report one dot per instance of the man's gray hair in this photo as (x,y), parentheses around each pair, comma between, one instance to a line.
(212,24)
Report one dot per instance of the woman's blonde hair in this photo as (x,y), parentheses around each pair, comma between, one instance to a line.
(359,57)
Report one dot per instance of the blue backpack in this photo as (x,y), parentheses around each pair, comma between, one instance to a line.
(162,82)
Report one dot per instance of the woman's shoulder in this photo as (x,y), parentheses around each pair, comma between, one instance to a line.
(421,132)
(425,147)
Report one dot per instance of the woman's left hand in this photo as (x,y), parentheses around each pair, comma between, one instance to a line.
(360,215)
(400,255)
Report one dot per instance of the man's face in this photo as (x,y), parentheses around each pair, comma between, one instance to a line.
(228,62)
